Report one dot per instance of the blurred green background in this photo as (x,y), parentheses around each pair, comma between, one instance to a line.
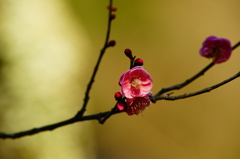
(48,49)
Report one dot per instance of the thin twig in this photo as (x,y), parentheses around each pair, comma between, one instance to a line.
(188,81)
(236,45)
(181,85)
(208,89)
(132,62)
(113,111)
(105,46)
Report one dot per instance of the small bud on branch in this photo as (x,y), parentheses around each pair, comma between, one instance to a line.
(118,96)
(112,43)
(112,16)
(128,53)
(138,62)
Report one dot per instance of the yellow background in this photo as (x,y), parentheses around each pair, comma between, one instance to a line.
(49,49)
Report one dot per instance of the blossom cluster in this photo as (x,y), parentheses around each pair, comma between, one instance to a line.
(136,83)
(135,86)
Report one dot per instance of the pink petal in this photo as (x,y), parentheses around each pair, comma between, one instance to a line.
(147,87)
(137,105)
(135,72)
(136,92)
(146,81)
(126,92)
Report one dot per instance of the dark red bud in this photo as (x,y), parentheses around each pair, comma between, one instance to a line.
(118,96)
(108,6)
(114,9)
(112,16)
(112,43)
(138,62)
(128,53)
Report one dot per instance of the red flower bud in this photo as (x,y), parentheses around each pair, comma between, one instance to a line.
(121,106)
(128,53)
(118,96)
(112,43)
(112,16)
(114,9)
(138,62)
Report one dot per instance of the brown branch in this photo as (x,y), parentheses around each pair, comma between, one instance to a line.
(181,85)
(188,81)
(99,117)
(208,89)
(102,117)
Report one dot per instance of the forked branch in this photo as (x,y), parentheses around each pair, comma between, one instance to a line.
(102,117)
(188,81)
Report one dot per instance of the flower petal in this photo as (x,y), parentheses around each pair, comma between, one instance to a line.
(137,105)
(136,92)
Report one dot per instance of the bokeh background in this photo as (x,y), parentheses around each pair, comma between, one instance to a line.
(48,49)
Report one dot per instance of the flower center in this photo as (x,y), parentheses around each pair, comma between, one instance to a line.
(136,83)
(216,51)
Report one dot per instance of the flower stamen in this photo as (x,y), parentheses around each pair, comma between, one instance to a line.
(136,83)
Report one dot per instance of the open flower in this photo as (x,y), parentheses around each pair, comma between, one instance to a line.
(217,48)
(136,82)
(137,105)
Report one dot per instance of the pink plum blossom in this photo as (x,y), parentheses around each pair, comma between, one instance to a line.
(136,82)
(217,48)
(137,105)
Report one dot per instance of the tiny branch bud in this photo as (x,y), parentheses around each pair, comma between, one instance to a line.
(112,16)
(112,43)
(114,9)
(128,53)
(118,96)
(138,62)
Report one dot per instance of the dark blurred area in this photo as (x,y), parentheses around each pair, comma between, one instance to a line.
(48,50)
